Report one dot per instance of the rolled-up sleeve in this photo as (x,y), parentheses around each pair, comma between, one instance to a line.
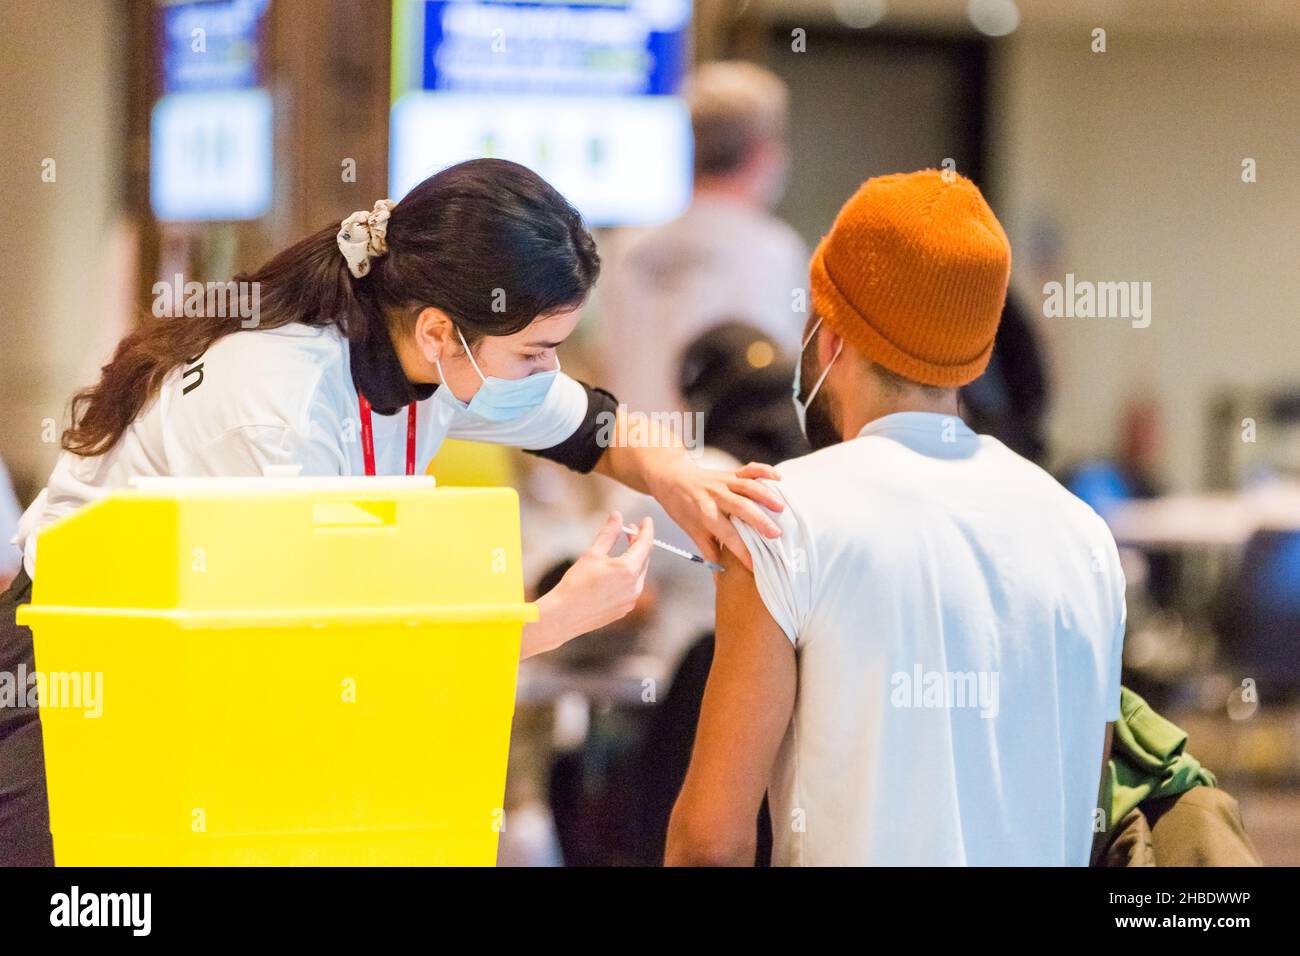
(572,426)
(584,447)
(784,568)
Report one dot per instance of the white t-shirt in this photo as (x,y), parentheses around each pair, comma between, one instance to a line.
(278,397)
(958,619)
(721,260)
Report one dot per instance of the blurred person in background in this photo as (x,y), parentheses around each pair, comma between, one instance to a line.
(736,383)
(738,379)
(11,558)
(726,255)
(1108,483)
(925,669)
(1011,399)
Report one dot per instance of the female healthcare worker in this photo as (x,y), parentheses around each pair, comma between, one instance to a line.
(436,316)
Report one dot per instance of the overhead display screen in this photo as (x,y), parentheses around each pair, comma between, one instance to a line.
(211,130)
(584,93)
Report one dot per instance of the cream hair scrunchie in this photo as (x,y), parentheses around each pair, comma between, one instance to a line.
(364,235)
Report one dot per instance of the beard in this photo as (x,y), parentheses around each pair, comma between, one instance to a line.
(819,419)
(822,432)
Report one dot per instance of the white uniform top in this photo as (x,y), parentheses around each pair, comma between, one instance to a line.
(280,396)
(958,619)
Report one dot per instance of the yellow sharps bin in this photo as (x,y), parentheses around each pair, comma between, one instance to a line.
(291,671)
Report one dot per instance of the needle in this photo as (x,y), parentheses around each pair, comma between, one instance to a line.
(665,546)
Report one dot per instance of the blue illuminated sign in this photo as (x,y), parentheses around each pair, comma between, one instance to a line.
(535,46)
(211,45)
(211,132)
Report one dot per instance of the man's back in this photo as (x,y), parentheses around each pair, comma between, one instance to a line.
(958,620)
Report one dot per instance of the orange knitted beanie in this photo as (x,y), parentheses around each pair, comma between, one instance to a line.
(914,275)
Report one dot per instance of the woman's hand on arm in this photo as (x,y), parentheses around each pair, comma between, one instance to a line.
(702,501)
(597,590)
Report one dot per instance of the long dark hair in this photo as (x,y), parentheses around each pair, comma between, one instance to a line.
(487,241)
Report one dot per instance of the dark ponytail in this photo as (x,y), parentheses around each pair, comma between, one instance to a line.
(487,241)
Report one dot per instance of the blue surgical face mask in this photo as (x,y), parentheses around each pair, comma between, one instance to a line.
(503,399)
(801,407)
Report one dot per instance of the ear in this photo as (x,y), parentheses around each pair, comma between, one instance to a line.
(434,334)
(828,343)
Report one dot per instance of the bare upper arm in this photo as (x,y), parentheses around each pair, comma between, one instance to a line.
(746,710)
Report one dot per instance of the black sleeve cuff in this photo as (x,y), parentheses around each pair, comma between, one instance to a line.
(582,450)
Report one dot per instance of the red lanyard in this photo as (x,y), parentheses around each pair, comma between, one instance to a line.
(368,437)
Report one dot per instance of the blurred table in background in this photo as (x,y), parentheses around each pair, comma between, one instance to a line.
(1204,520)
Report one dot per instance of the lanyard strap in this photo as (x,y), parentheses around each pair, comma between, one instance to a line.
(368,436)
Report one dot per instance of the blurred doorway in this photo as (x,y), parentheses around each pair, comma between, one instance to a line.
(866,103)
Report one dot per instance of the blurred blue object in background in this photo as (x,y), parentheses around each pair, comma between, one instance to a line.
(1101,485)
(1261,620)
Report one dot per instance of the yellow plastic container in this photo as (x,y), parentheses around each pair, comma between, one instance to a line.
(294,671)
(473,464)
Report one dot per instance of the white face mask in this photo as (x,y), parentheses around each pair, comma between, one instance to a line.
(801,407)
(503,399)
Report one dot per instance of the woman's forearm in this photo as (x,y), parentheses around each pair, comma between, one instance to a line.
(547,632)
(641,449)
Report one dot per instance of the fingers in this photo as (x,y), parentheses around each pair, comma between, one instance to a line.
(607,535)
(756,491)
(707,545)
(757,470)
(750,513)
(637,555)
(731,540)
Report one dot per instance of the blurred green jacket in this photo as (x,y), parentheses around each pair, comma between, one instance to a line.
(1161,807)
(1148,759)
